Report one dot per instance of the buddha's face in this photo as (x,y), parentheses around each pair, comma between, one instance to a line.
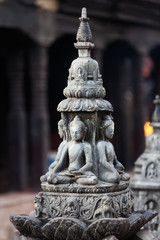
(109,131)
(77,132)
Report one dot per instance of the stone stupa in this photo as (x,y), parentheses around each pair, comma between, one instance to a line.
(85,193)
(146,176)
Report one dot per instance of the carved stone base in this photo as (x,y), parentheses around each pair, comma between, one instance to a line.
(87,204)
(62,228)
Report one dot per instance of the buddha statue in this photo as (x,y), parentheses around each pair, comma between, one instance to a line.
(75,163)
(110,169)
(62,133)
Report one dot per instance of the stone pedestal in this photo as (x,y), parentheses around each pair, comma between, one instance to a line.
(86,204)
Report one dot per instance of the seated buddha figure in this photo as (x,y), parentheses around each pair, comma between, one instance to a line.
(110,169)
(62,134)
(75,163)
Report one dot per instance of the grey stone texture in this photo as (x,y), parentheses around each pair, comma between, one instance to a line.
(63,228)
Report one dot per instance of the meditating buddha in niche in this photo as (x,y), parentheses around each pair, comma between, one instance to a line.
(110,169)
(76,162)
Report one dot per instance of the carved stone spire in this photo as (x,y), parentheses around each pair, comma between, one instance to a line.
(85,91)
(84,36)
(84,33)
(156,114)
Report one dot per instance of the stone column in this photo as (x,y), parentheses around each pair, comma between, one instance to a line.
(17,139)
(39,113)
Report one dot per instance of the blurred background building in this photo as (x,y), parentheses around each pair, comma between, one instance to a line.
(36,50)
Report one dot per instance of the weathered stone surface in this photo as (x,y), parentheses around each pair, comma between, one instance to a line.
(64,228)
(84,206)
(106,227)
(100,187)
(88,105)
(28,226)
(61,228)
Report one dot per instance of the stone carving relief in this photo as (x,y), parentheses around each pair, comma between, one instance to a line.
(37,205)
(70,207)
(74,161)
(84,92)
(84,68)
(105,209)
(80,74)
(72,228)
(84,104)
(151,171)
(84,207)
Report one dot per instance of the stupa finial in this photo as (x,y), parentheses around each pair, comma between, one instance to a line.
(156,114)
(84,14)
(84,35)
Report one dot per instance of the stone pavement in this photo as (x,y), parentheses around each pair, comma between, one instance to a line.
(10,203)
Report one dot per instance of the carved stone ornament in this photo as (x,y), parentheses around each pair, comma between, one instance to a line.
(71,228)
(86,192)
(146,178)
